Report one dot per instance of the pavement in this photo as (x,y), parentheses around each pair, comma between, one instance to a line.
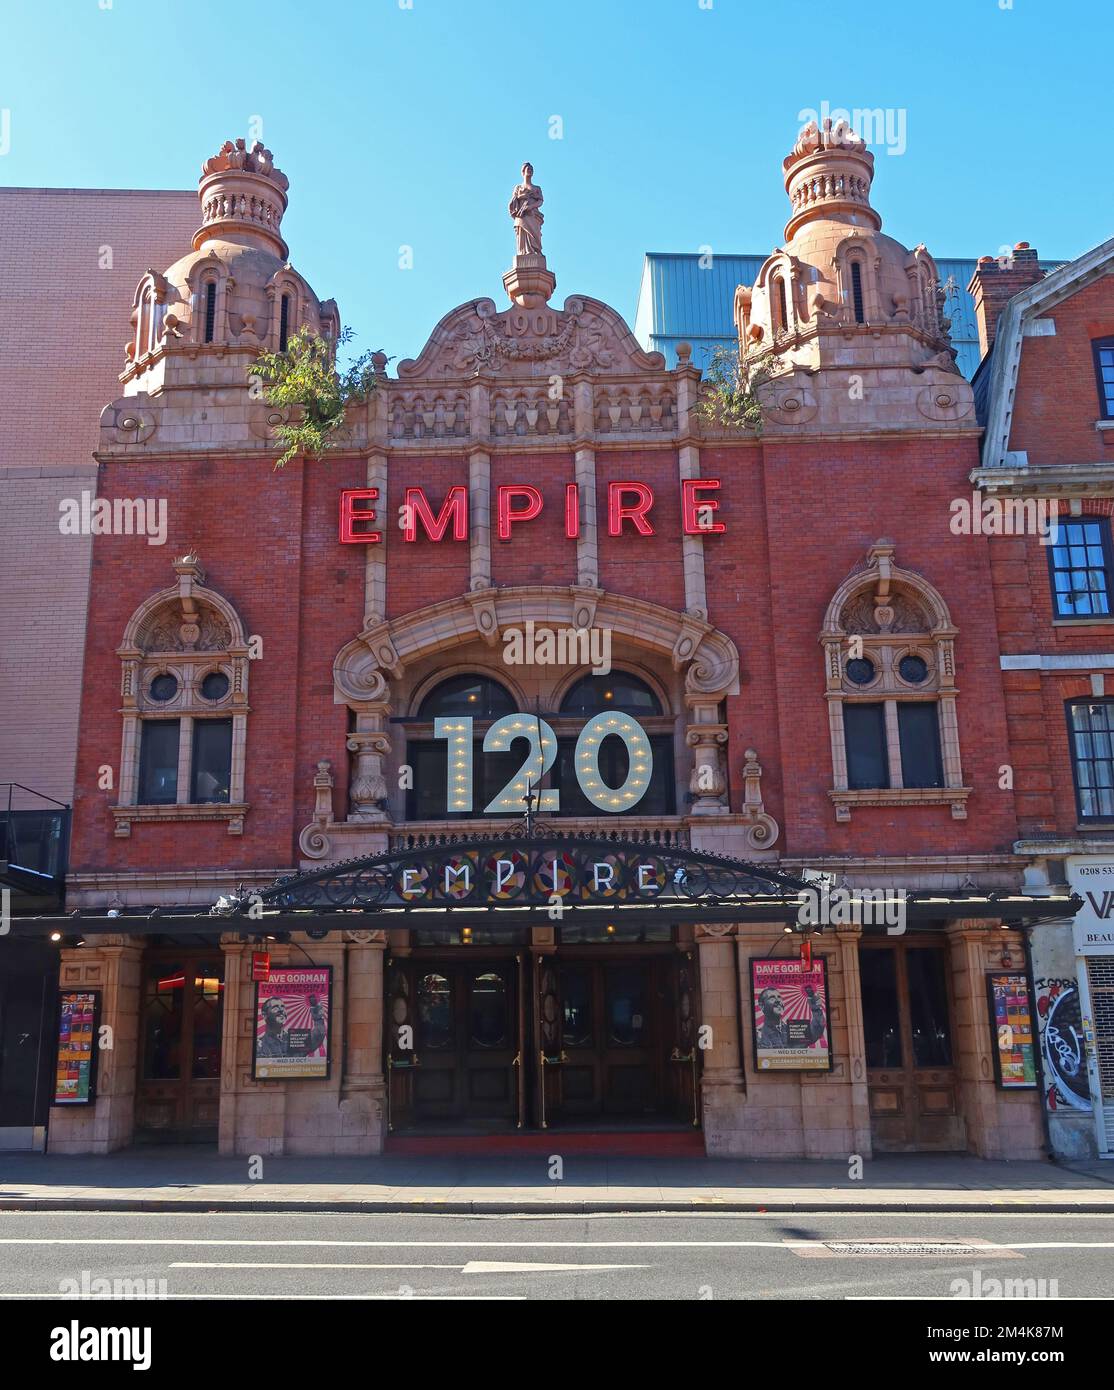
(196,1179)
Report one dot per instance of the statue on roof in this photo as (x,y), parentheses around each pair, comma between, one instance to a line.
(525,210)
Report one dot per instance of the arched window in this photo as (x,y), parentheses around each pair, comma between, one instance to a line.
(857,292)
(143,327)
(474,694)
(284,323)
(780,305)
(889,646)
(210,310)
(185,708)
(616,691)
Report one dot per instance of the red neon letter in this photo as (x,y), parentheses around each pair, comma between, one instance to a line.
(454,509)
(572,510)
(692,506)
(618,511)
(350,514)
(507,515)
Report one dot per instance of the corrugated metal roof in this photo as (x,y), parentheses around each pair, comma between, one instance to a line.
(686,297)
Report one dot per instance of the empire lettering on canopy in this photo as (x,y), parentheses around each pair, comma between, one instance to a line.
(629,507)
(505,878)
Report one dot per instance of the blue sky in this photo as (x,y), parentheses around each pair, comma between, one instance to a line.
(406,126)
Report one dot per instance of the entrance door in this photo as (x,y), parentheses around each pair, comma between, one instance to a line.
(624,1026)
(466,1041)
(178,1096)
(911,1077)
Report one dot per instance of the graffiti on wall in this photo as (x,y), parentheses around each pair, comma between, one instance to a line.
(1060,1025)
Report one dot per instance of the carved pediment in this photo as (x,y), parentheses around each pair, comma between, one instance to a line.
(585,336)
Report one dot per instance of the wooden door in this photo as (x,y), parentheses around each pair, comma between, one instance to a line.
(466,1041)
(178,1094)
(618,1032)
(907,1023)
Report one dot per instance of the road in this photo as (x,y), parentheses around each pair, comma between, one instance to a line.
(44,1255)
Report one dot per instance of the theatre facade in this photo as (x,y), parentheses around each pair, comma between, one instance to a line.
(555,762)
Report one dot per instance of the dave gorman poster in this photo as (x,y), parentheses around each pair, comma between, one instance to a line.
(791,1029)
(292,1024)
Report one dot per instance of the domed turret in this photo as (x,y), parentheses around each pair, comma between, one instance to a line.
(842,295)
(235,289)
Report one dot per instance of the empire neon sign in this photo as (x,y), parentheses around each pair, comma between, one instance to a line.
(629,505)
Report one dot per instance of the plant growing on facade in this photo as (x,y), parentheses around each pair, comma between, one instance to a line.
(305,383)
(732,380)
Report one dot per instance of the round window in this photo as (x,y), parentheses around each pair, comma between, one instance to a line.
(214,686)
(164,687)
(860,670)
(913,669)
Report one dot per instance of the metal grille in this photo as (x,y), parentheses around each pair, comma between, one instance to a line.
(1100,974)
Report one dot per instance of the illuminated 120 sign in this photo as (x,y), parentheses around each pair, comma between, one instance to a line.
(540,758)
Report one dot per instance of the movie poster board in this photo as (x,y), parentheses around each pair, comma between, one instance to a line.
(293,1009)
(75,1058)
(790,1015)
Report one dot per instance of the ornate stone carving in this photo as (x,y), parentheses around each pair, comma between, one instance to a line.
(313,841)
(368,791)
(761,829)
(586,335)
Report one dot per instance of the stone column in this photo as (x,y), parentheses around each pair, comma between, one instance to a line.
(722,1083)
(375,563)
(968,940)
(848,940)
(113,966)
(587,543)
(235,1054)
(370,745)
(707,738)
(692,547)
(479,519)
(363,1090)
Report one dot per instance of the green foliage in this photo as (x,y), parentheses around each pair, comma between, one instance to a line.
(305,382)
(729,398)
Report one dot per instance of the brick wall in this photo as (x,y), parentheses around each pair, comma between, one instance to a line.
(63,325)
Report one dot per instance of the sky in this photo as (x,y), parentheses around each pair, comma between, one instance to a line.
(653,125)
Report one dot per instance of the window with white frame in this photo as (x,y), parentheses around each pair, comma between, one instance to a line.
(889,648)
(185,675)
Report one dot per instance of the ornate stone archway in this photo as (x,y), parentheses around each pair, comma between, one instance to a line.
(365,668)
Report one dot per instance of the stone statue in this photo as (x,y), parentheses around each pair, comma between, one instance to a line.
(525,209)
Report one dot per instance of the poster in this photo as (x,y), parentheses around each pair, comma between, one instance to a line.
(1011,1014)
(791,1027)
(292,1011)
(75,1068)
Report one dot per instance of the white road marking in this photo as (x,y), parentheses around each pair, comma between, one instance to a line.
(274,1243)
(220,1264)
(510,1267)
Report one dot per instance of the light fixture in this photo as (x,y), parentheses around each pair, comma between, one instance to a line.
(56,936)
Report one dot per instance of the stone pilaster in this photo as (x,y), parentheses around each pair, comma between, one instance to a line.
(375,563)
(363,1091)
(722,1089)
(114,967)
(479,519)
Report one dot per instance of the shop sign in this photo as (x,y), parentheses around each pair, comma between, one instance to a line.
(260,967)
(75,1067)
(1092,877)
(292,1012)
(790,1014)
(1011,1015)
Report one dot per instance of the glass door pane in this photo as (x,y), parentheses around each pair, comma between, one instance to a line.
(881,1014)
(928,1007)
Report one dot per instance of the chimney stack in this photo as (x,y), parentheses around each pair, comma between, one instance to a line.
(994,284)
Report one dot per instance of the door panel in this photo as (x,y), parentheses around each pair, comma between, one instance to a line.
(911,1080)
(466,1042)
(178,1094)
